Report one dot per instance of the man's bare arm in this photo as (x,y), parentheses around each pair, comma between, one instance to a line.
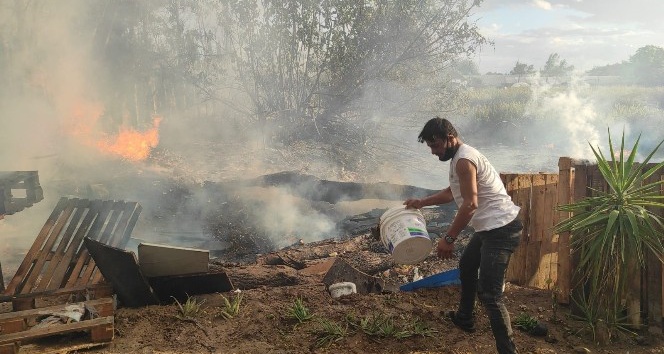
(467,173)
(442,197)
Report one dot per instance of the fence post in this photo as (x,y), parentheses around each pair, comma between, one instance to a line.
(581,181)
(661,313)
(565,196)
(519,188)
(653,280)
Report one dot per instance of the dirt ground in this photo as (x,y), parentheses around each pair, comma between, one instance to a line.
(269,288)
(265,324)
(269,293)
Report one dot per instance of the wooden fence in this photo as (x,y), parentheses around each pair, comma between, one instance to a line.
(543,259)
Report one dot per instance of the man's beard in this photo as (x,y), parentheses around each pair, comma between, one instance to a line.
(448,155)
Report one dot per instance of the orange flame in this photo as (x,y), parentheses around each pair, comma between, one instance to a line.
(131,144)
(82,119)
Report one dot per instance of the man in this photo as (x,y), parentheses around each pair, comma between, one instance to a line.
(484,205)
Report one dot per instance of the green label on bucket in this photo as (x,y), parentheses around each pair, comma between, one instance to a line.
(417,232)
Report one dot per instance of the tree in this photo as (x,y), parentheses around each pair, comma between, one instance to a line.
(618,69)
(300,64)
(556,67)
(647,65)
(304,63)
(467,67)
(521,70)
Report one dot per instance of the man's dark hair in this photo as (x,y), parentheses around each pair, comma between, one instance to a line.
(436,128)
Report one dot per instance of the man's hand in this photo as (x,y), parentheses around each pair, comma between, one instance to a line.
(414,204)
(445,250)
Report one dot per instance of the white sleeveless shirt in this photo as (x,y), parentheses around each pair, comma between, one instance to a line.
(495,208)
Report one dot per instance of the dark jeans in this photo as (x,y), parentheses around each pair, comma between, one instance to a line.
(489,253)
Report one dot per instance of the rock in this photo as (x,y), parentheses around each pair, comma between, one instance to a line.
(551,339)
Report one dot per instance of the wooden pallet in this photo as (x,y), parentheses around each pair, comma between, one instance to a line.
(25,183)
(17,328)
(47,298)
(58,259)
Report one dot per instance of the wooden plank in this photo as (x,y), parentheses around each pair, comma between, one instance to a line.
(564,271)
(116,211)
(121,269)
(47,298)
(652,279)
(546,272)
(524,198)
(58,255)
(40,258)
(511,187)
(83,256)
(104,307)
(536,231)
(73,346)
(13,325)
(581,183)
(9,348)
(102,333)
(661,192)
(159,260)
(29,258)
(33,190)
(125,225)
(519,185)
(75,246)
(55,329)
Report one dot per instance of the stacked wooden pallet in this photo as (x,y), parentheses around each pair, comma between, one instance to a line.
(18,190)
(58,270)
(19,327)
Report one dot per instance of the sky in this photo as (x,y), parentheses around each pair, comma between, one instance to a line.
(585,33)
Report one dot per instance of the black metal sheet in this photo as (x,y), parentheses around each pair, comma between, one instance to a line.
(120,268)
(180,287)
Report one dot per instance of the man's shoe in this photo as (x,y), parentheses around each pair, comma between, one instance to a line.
(466,326)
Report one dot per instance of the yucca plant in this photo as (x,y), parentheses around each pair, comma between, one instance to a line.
(231,307)
(299,311)
(330,332)
(612,230)
(189,309)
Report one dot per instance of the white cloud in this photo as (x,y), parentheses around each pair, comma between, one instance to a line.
(542,4)
(586,33)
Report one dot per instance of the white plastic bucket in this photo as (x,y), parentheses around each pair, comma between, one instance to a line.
(404,233)
(341,289)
